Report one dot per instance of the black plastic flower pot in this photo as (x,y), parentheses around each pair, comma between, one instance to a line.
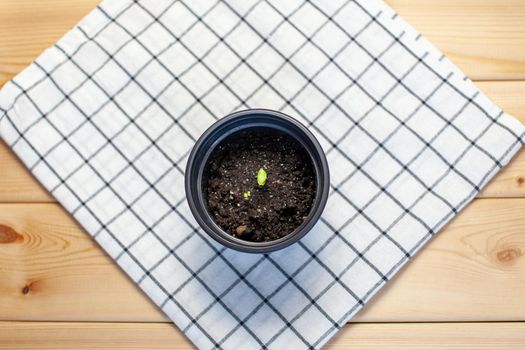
(254,120)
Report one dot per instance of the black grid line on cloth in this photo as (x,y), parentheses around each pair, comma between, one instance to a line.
(129,208)
(371,265)
(199,59)
(312,254)
(257,73)
(296,272)
(269,84)
(382,188)
(298,49)
(320,131)
(394,178)
(194,274)
(360,209)
(431,232)
(243,60)
(109,58)
(272,307)
(241,278)
(411,252)
(217,299)
(80,46)
(378,103)
(405,167)
(184,113)
(364,251)
(113,236)
(365,10)
(108,140)
(427,236)
(211,89)
(446,217)
(405,210)
(276,291)
(154,100)
(357,2)
(155,58)
(346,88)
(400,82)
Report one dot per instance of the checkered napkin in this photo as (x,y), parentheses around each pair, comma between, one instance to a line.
(105,119)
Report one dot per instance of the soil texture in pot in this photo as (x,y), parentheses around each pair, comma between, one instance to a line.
(244,208)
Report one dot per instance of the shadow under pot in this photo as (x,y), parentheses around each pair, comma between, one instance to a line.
(257,181)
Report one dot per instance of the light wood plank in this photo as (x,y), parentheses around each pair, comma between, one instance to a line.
(485,38)
(473,270)
(16,182)
(17,185)
(47,335)
(67,336)
(28,27)
(67,275)
(508,95)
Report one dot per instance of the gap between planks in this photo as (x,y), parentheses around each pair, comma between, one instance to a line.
(65,335)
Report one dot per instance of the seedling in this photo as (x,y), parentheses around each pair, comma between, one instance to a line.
(261,177)
(246,194)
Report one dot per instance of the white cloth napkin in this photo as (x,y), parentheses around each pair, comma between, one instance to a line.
(105,119)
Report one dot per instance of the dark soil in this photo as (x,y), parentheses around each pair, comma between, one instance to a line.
(271,211)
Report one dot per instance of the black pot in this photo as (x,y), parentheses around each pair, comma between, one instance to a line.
(253,118)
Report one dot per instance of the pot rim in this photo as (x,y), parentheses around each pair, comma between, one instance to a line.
(225,127)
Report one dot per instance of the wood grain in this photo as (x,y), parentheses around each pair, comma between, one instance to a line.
(16,182)
(485,38)
(473,270)
(28,27)
(66,335)
(52,270)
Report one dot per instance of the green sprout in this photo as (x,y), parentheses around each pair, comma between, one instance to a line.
(246,194)
(261,177)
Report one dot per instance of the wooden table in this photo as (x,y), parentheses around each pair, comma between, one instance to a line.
(465,290)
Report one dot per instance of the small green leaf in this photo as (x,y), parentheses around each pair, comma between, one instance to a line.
(246,194)
(261,177)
